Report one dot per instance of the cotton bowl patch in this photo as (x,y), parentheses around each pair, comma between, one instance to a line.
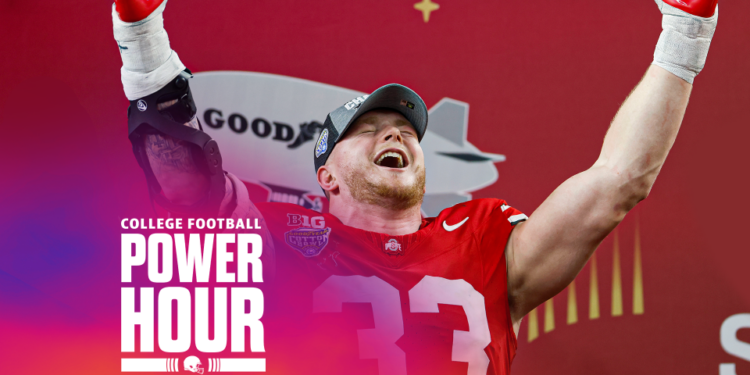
(308,241)
(322,146)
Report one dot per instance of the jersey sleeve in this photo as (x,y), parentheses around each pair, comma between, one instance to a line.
(499,221)
(513,215)
(493,238)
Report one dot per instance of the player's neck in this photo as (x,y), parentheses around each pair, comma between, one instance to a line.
(375,218)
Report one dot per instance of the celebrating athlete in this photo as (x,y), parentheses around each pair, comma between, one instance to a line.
(446,294)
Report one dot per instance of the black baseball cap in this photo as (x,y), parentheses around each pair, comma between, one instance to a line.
(391,96)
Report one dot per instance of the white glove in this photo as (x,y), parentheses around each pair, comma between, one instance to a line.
(684,41)
(148,63)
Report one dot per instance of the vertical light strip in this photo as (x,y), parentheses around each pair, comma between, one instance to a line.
(593,290)
(549,316)
(637,274)
(616,278)
(572,303)
(533,326)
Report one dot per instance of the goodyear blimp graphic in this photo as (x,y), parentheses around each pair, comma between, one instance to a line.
(267,125)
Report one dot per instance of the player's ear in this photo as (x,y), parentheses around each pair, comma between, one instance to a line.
(326,179)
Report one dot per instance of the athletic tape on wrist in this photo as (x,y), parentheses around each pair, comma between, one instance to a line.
(148,62)
(684,42)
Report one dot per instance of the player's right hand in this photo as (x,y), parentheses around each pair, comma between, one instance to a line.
(700,8)
(135,10)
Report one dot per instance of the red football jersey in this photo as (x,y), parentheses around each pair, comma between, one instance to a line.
(348,301)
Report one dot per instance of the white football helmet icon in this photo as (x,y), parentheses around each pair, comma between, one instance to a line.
(193,364)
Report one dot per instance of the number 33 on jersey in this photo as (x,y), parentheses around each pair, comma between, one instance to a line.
(348,301)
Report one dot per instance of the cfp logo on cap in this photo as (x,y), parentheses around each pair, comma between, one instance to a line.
(407,104)
(356,102)
(322,145)
(141,104)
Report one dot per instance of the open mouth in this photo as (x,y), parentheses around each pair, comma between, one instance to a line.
(392,158)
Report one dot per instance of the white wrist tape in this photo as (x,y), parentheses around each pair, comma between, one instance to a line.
(148,63)
(684,41)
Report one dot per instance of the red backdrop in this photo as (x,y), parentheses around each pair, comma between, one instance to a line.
(543,80)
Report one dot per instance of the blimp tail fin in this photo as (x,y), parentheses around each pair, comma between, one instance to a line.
(449,118)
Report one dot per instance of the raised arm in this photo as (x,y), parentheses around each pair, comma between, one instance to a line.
(547,252)
(172,157)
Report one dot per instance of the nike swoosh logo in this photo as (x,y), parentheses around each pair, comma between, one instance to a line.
(451,228)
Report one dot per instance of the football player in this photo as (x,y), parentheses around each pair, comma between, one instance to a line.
(444,295)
